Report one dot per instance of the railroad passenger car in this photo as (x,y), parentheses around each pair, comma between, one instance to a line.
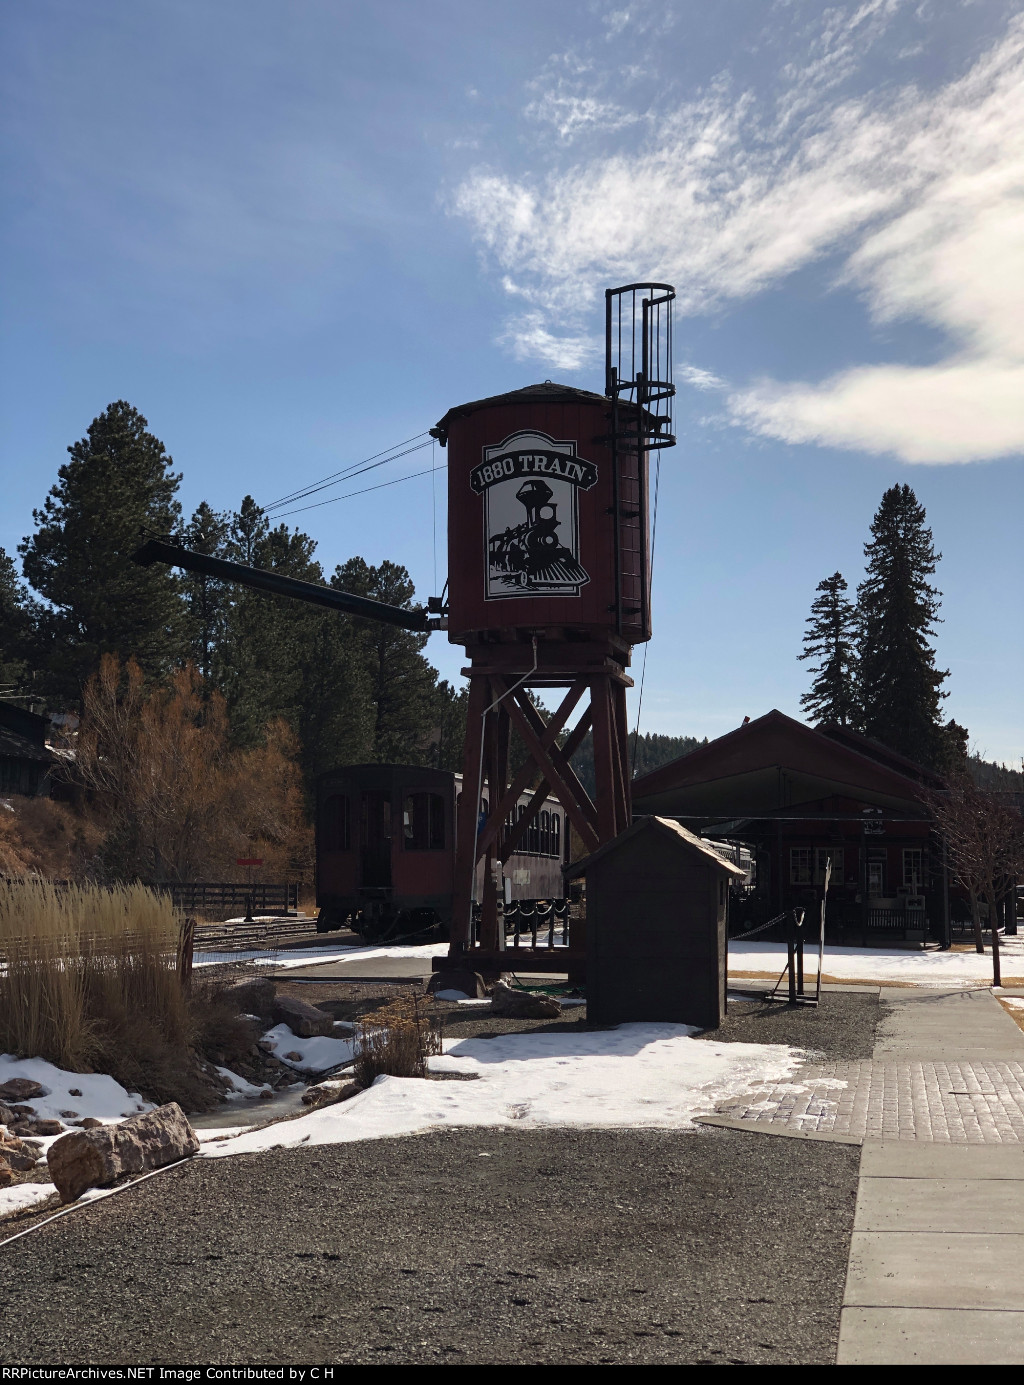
(385,851)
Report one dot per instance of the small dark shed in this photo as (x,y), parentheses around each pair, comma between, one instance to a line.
(25,762)
(657,903)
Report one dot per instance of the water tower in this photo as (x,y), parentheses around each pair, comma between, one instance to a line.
(549,588)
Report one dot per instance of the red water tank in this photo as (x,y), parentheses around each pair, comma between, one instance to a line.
(547,520)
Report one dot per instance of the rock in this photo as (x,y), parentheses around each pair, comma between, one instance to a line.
(293,1057)
(470,983)
(24,1111)
(329,1092)
(514,1004)
(74,1091)
(20,1089)
(266,1045)
(6,1115)
(91,1123)
(266,1094)
(95,1158)
(6,1173)
(19,1154)
(35,1126)
(252,997)
(303,1020)
(21,1162)
(43,1127)
(69,1115)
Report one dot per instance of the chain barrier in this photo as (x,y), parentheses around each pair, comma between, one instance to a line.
(738,937)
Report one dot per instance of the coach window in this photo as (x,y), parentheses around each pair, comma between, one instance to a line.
(556,835)
(335,823)
(423,822)
(545,833)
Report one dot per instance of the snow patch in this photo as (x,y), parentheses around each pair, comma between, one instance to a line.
(240,1086)
(880,964)
(315,1055)
(22,1195)
(638,1075)
(101,1097)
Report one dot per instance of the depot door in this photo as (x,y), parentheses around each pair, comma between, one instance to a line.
(375,825)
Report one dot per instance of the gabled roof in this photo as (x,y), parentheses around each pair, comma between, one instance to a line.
(674,830)
(875,750)
(776,761)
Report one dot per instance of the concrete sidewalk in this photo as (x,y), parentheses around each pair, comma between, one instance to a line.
(939,1225)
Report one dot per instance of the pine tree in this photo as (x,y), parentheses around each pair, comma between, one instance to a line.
(830,637)
(402,684)
(117,483)
(16,627)
(898,608)
(206,599)
(450,726)
(280,658)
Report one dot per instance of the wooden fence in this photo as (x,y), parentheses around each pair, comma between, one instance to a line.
(222,900)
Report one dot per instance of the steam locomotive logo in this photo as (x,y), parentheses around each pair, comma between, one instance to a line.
(530,484)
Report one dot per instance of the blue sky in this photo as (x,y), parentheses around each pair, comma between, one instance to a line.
(292,234)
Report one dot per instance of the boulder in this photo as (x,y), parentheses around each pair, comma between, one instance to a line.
(254,997)
(6,1173)
(7,1116)
(38,1126)
(513,1004)
(91,1123)
(470,983)
(95,1158)
(18,1154)
(20,1089)
(303,1020)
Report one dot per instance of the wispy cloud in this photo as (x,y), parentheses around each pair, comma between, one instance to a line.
(922,193)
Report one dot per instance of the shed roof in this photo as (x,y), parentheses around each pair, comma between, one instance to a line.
(16,747)
(685,839)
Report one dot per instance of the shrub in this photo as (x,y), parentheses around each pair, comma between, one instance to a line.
(397,1040)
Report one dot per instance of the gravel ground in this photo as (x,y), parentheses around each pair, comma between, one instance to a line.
(715,1246)
(842,1026)
(561,1247)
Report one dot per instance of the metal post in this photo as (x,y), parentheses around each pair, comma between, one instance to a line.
(791,967)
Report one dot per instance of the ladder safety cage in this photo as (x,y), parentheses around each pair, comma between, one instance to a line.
(638,382)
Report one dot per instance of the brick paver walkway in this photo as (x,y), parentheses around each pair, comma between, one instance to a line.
(955,1101)
(948,1067)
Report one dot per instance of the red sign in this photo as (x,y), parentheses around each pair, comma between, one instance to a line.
(249,861)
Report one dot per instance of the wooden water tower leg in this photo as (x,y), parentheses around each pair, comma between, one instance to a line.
(492,923)
(610,772)
(469,808)
(622,733)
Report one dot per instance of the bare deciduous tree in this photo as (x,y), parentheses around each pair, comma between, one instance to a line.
(984,834)
(184,803)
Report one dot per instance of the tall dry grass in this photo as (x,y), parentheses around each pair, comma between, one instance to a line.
(87,977)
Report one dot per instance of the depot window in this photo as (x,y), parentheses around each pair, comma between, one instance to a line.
(913,868)
(423,822)
(823,855)
(334,824)
(801,865)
